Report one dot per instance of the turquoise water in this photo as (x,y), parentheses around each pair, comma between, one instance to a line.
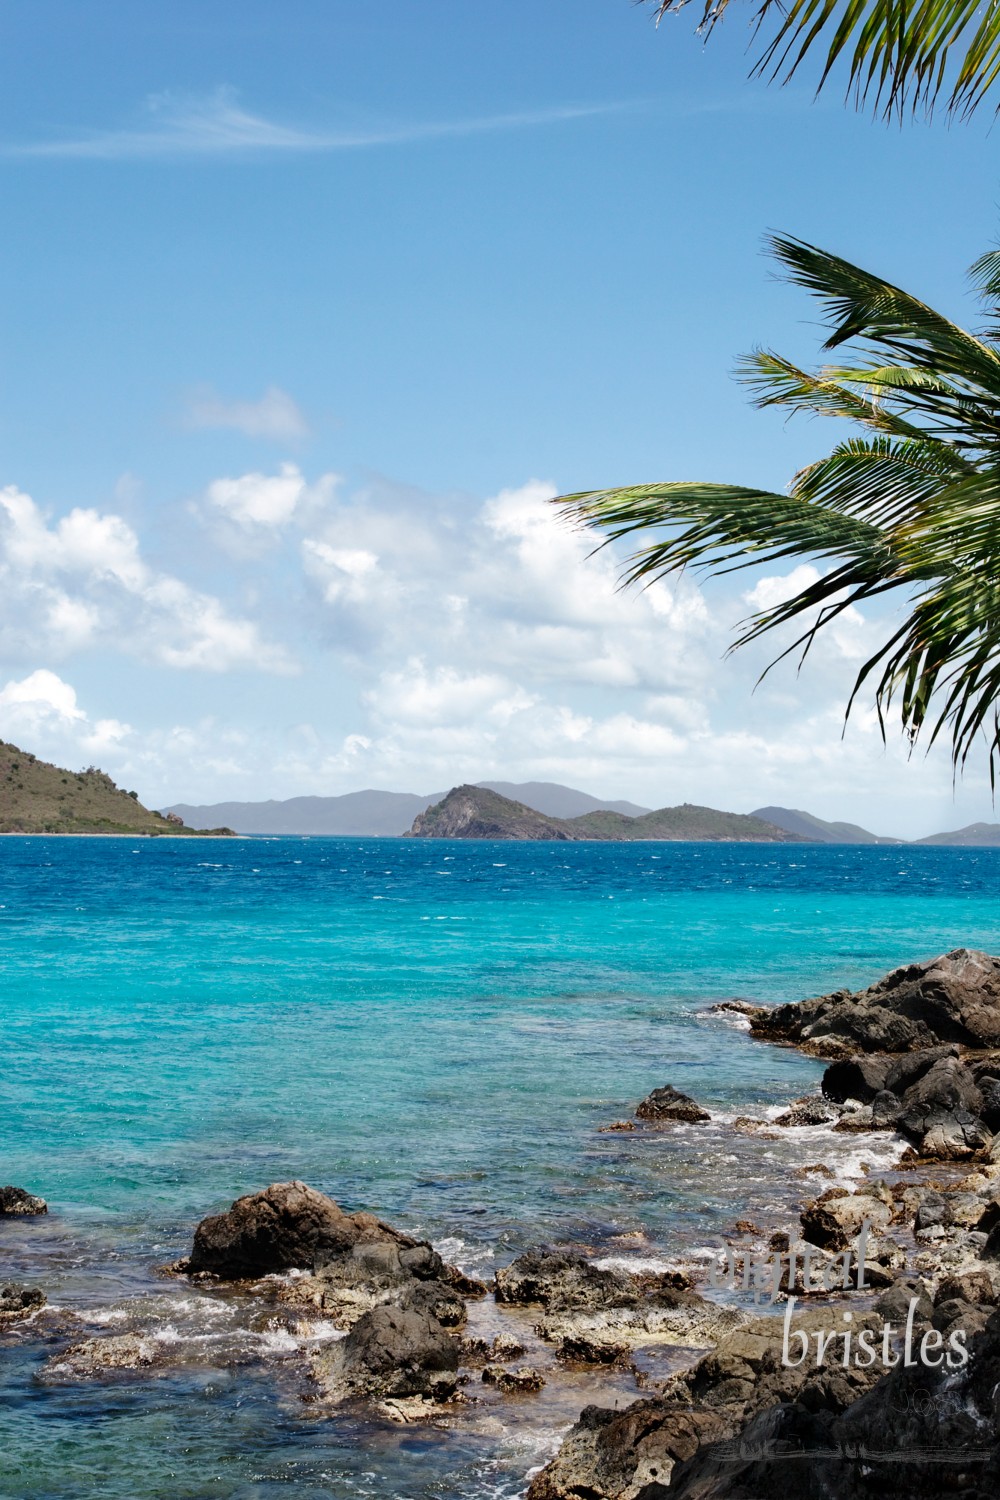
(434,1031)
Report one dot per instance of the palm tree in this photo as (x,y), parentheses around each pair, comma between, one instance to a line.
(908,503)
(898,53)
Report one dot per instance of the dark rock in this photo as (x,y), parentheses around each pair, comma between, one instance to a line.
(668,1104)
(934,1209)
(910,1068)
(18,1302)
(990,1214)
(952,998)
(563,1282)
(991,1250)
(858,1078)
(894,1304)
(588,1351)
(886,1110)
(288,1226)
(16,1203)
(989,1088)
(525,1378)
(941,1112)
(391,1352)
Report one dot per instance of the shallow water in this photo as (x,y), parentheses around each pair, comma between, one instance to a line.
(434,1031)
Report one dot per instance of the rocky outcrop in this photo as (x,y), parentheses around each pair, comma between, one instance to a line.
(391,1352)
(16,1203)
(666,1104)
(474,812)
(287,1226)
(952,998)
(561,1282)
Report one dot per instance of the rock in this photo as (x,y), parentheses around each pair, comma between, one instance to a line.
(616,1125)
(578,1349)
(668,1104)
(501,1349)
(390,1352)
(809,1111)
(640,1452)
(989,1088)
(858,1077)
(910,1068)
(886,1110)
(934,1209)
(952,998)
(561,1281)
(524,1378)
(15,1202)
(941,1112)
(975,1287)
(835,1219)
(17,1302)
(101,1356)
(856,1121)
(894,1304)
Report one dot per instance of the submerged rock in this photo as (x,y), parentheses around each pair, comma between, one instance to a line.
(667,1103)
(524,1378)
(562,1282)
(102,1356)
(15,1202)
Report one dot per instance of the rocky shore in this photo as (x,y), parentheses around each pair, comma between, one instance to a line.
(860,1345)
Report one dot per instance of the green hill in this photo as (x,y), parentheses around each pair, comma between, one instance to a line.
(473,812)
(36,797)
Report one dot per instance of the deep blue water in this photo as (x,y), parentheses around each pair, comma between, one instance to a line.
(434,1031)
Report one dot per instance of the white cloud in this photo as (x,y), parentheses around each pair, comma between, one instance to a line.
(41,694)
(218,126)
(83,582)
(275,415)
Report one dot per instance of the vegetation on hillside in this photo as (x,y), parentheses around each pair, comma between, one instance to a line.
(36,797)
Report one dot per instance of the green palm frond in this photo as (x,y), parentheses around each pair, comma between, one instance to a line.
(898,55)
(910,501)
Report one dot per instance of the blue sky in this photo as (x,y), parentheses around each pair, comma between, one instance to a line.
(310,306)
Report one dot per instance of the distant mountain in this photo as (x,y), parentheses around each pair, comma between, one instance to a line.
(818,830)
(37,797)
(380,814)
(559,801)
(975,836)
(363,814)
(473,812)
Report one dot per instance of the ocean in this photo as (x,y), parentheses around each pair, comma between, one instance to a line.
(434,1031)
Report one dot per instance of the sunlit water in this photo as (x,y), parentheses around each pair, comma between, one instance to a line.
(433,1031)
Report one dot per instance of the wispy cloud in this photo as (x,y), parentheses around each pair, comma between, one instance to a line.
(274,416)
(218,126)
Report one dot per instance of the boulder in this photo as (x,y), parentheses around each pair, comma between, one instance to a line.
(811,1110)
(16,1203)
(941,1112)
(668,1104)
(858,1077)
(835,1219)
(561,1281)
(911,1067)
(287,1226)
(391,1352)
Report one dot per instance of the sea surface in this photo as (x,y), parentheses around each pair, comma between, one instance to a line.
(434,1031)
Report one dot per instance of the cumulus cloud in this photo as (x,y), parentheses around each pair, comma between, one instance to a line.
(43,710)
(275,415)
(83,581)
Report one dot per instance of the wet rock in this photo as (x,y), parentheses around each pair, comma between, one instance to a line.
(856,1121)
(102,1356)
(667,1104)
(390,1352)
(835,1219)
(617,1125)
(16,1203)
(811,1110)
(523,1379)
(561,1281)
(952,998)
(579,1349)
(499,1350)
(858,1077)
(17,1302)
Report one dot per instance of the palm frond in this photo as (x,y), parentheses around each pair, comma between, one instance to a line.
(898,55)
(910,502)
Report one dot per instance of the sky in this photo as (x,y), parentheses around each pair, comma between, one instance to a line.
(312,307)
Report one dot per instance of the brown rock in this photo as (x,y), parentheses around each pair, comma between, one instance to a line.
(667,1104)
